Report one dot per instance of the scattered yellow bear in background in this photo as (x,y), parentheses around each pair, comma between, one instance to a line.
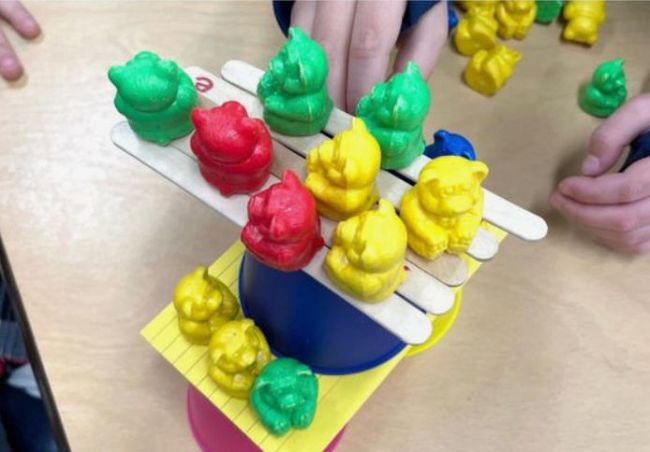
(515,18)
(476,31)
(237,352)
(444,209)
(583,20)
(341,172)
(203,303)
(488,70)
(367,255)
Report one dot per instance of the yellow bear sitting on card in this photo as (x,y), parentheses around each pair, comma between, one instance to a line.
(583,20)
(488,70)
(444,209)
(238,352)
(515,18)
(367,255)
(341,172)
(203,303)
(476,31)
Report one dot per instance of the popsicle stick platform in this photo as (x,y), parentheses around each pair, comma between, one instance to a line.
(483,248)
(395,314)
(497,211)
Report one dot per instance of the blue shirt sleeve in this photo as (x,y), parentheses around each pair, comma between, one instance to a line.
(413,12)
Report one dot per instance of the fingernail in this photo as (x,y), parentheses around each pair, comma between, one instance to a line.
(591,166)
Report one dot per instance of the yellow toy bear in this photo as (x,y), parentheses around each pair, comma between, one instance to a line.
(238,352)
(367,255)
(476,31)
(444,209)
(203,303)
(515,18)
(583,20)
(488,70)
(341,172)
(481,5)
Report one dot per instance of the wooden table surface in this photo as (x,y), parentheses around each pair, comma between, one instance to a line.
(551,350)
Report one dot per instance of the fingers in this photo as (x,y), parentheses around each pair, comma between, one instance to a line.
(608,141)
(19,18)
(332,29)
(619,218)
(374,33)
(617,188)
(302,15)
(423,42)
(10,67)
(628,240)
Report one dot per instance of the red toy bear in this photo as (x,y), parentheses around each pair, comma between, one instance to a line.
(283,229)
(233,150)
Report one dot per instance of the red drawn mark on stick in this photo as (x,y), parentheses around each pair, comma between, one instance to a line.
(203,84)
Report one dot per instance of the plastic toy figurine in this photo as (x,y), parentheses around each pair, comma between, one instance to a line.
(639,149)
(156,97)
(285,395)
(476,5)
(515,18)
(238,352)
(394,112)
(606,91)
(548,10)
(488,70)
(476,31)
(283,229)
(293,90)
(367,255)
(444,209)
(233,150)
(203,303)
(447,143)
(584,18)
(341,172)
(452,18)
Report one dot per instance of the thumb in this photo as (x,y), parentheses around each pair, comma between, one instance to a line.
(610,138)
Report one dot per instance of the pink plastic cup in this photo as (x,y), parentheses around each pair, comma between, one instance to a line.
(214,432)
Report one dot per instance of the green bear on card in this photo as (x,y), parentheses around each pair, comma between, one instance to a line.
(156,96)
(547,10)
(394,112)
(284,395)
(293,89)
(606,91)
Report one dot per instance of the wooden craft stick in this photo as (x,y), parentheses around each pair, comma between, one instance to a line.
(394,314)
(498,211)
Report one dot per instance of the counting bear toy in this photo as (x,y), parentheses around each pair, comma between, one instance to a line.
(584,18)
(293,90)
(394,112)
(444,209)
(515,18)
(548,10)
(234,151)
(203,303)
(156,96)
(283,229)
(237,353)
(285,395)
(447,143)
(367,255)
(606,91)
(488,70)
(341,172)
(476,31)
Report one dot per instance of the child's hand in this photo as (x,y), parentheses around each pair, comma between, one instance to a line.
(614,207)
(21,20)
(358,38)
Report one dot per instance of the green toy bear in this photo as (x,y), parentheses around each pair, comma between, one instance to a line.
(394,112)
(284,395)
(156,96)
(293,89)
(548,10)
(606,91)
